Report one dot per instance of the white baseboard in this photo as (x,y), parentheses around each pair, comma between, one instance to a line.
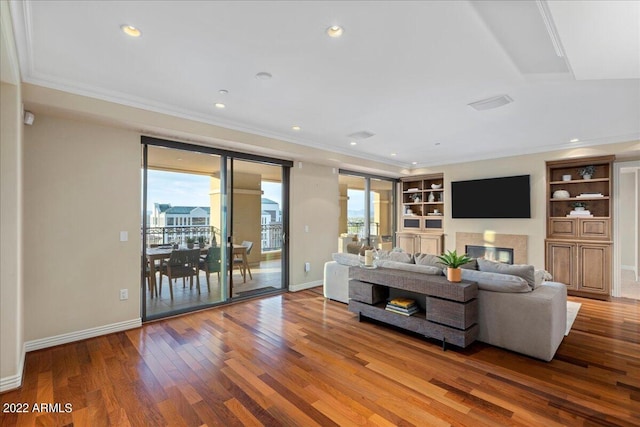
(81,335)
(303,286)
(13,381)
(628,267)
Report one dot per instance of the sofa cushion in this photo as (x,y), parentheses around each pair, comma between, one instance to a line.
(522,270)
(496,282)
(428,259)
(425,269)
(403,257)
(346,259)
(434,261)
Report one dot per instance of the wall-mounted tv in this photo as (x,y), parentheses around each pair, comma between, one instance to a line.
(504,197)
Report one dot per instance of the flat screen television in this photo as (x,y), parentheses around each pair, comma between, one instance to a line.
(504,197)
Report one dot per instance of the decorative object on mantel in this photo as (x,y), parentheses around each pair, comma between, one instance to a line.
(561,194)
(453,261)
(587,171)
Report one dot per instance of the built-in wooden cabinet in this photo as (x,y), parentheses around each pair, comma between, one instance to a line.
(426,243)
(421,224)
(578,246)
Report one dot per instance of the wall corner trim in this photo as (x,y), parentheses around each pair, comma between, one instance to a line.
(303,286)
(14,381)
(83,334)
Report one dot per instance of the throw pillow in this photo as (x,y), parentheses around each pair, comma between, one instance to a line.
(434,261)
(425,269)
(400,257)
(521,270)
(428,259)
(496,282)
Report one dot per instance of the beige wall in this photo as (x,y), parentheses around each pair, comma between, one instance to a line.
(11,258)
(314,203)
(627,216)
(11,280)
(82,186)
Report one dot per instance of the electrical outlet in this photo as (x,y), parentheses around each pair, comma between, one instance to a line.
(124,294)
(307,267)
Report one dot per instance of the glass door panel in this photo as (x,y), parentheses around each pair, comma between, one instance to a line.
(381,213)
(256,228)
(352,207)
(183,210)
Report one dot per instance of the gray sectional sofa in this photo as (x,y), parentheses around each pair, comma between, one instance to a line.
(524,312)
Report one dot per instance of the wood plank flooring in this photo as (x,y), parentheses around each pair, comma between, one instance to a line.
(298,359)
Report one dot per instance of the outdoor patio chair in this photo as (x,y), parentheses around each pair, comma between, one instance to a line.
(182,263)
(211,264)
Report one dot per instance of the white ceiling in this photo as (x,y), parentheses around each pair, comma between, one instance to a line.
(404,71)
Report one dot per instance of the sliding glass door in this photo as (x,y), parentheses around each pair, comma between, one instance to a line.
(367,209)
(214,227)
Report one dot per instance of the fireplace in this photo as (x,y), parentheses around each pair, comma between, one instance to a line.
(504,255)
(517,242)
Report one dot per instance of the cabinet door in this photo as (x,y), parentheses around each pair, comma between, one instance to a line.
(561,262)
(406,242)
(429,244)
(594,228)
(562,227)
(594,268)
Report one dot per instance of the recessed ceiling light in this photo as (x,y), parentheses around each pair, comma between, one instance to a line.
(353,143)
(393,154)
(575,140)
(414,163)
(263,75)
(335,31)
(295,127)
(220,105)
(223,91)
(130,30)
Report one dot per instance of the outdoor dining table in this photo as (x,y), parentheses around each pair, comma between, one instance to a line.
(160,253)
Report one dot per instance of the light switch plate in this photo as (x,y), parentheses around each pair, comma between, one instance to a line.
(124,236)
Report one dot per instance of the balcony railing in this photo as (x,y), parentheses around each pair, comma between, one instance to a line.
(270,237)
(357,227)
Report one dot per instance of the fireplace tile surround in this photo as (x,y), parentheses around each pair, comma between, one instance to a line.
(517,242)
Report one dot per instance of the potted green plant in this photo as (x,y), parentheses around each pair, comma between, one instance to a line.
(453,261)
(587,171)
(201,242)
(190,242)
(579,206)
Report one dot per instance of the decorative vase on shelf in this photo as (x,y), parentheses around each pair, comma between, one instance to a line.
(432,197)
(586,176)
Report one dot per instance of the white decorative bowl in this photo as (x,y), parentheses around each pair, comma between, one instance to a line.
(561,194)
(436,186)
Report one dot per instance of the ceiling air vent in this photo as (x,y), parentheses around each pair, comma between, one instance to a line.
(489,103)
(361,135)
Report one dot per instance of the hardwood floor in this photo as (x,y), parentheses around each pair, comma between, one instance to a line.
(300,360)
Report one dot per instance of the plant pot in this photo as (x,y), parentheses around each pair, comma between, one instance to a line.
(190,245)
(454,274)
(586,176)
